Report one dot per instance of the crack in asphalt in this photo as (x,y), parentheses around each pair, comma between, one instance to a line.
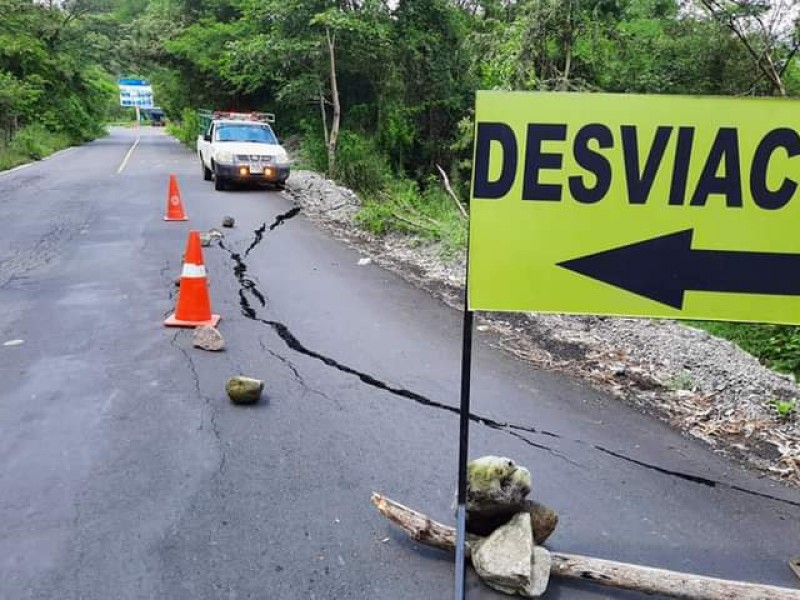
(279,220)
(212,416)
(712,483)
(296,374)
(170,285)
(247,285)
(286,363)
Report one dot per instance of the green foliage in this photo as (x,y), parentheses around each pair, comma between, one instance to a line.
(681,381)
(32,142)
(776,346)
(312,148)
(36,142)
(187,128)
(360,165)
(51,83)
(785,409)
(428,213)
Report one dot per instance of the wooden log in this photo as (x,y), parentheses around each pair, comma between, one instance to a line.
(419,527)
(670,584)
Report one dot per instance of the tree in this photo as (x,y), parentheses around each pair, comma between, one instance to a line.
(767,30)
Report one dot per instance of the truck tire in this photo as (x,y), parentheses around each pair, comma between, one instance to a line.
(206,171)
(220,183)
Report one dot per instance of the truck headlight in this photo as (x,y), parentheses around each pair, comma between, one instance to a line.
(223,157)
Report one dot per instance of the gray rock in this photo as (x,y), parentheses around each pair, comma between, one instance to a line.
(541,563)
(503,560)
(205,239)
(228,221)
(543,520)
(244,390)
(496,490)
(208,338)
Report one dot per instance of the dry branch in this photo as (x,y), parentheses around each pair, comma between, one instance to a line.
(449,188)
(670,584)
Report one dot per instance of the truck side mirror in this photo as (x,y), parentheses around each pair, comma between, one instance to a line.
(207,137)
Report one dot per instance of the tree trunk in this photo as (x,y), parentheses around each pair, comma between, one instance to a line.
(669,584)
(337,110)
(324,116)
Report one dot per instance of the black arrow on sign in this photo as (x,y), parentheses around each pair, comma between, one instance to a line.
(665,267)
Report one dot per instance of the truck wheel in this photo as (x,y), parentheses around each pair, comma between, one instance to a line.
(206,171)
(280,185)
(220,183)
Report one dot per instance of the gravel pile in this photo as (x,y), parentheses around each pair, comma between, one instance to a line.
(703,385)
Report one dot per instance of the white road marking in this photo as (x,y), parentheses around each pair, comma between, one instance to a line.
(19,168)
(124,162)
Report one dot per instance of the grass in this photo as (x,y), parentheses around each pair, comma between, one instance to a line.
(427,213)
(681,381)
(33,142)
(784,408)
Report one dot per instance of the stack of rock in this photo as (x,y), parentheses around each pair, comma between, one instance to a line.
(509,559)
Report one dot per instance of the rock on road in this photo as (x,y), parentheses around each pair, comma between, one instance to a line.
(125,472)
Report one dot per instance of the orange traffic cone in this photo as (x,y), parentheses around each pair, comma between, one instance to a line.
(194,306)
(174,204)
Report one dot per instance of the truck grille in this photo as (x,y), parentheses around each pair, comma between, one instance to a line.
(253,157)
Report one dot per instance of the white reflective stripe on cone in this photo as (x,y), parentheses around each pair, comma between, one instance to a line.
(193,271)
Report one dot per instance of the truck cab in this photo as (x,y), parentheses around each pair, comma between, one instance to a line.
(241,147)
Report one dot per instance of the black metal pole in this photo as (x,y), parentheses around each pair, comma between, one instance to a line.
(463,453)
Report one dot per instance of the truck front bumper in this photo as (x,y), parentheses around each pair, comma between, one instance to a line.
(268,173)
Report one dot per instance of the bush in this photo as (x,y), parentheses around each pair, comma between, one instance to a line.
(360,165)
(36,142)
(187,129)
(32,142)
(428,213)
(312,149)
(9,158)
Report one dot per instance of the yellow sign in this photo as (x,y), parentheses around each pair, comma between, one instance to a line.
(654,206)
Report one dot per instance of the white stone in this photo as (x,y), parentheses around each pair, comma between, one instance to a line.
(503,560)
(208,338)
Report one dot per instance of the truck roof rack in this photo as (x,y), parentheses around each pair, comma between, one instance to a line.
(245,116)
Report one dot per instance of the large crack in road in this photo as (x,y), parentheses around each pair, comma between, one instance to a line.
(249,286)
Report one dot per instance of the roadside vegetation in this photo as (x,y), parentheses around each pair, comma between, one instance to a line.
(56,86)
(379,92)
(382,92)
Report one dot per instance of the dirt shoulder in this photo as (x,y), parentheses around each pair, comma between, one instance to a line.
(705,386)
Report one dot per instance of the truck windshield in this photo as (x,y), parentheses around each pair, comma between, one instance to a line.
(246,133)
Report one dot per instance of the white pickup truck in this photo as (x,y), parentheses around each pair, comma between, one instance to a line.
(241,147)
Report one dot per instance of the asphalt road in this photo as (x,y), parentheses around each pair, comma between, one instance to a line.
(125,472)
